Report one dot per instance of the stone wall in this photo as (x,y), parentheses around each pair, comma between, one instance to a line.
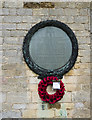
(19,84)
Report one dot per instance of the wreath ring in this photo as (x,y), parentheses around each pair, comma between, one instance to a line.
(50,98)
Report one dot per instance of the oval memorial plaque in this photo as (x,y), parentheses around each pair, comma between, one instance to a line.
(50,47)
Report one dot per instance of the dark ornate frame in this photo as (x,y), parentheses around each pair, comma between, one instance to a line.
(44,72)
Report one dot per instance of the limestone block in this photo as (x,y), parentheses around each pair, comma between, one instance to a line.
(11,114)
(18,33)
(30,74)
(66,98)
(67,106)
(45,113)
(71,12)
(12,4)
(76,26)
(80,96)
(81,113)
(33,87)
(81,19)
(72,5)
(6,106)
(82,33)
(5,11)
(7,26)
(70,20)
(31,19)
(12,19)
(62,113)
(19,106)
(86,87)
(3,97)
(10,53)
(82,5)
(5,33)
(61,4)
(29,114)
(23,26)
(72,87)
(62,18)
(34,80)
(32,106)
(57,12)
(18,97)
(41,11)
(79,105)
(83,12)
(24,12)
(12,11)
(35,97)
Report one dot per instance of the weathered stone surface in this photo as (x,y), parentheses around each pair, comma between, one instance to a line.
(32,75)
(45,113)
(32,106)
(20,84)
(3,99)
(40,11)
(5,11)
(18,33)
(76,26)
(11,114)
(62,113)
(10,53)
(5,33)
(9,26)
(62,18)
(80,113)
(79,105)
(12,4)
(71,12)
(12,11)
(80,96)
(72,87)
(66,98)
(61,5)
(81,33)
(12,66)
(38,5)
(18,97)
(9,73)
(33,87)
(83,12)
(69,113)
(86,87)
(24,12)
(29,113)
(55,106)
(19,106)
(57,11)
(11,40)
(23,26)
(11,47)
(67,106)
(81,19)
(14,86)
(82,5)
(12,19)
(35,97)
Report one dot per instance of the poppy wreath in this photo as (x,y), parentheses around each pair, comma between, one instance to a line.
(50,98)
